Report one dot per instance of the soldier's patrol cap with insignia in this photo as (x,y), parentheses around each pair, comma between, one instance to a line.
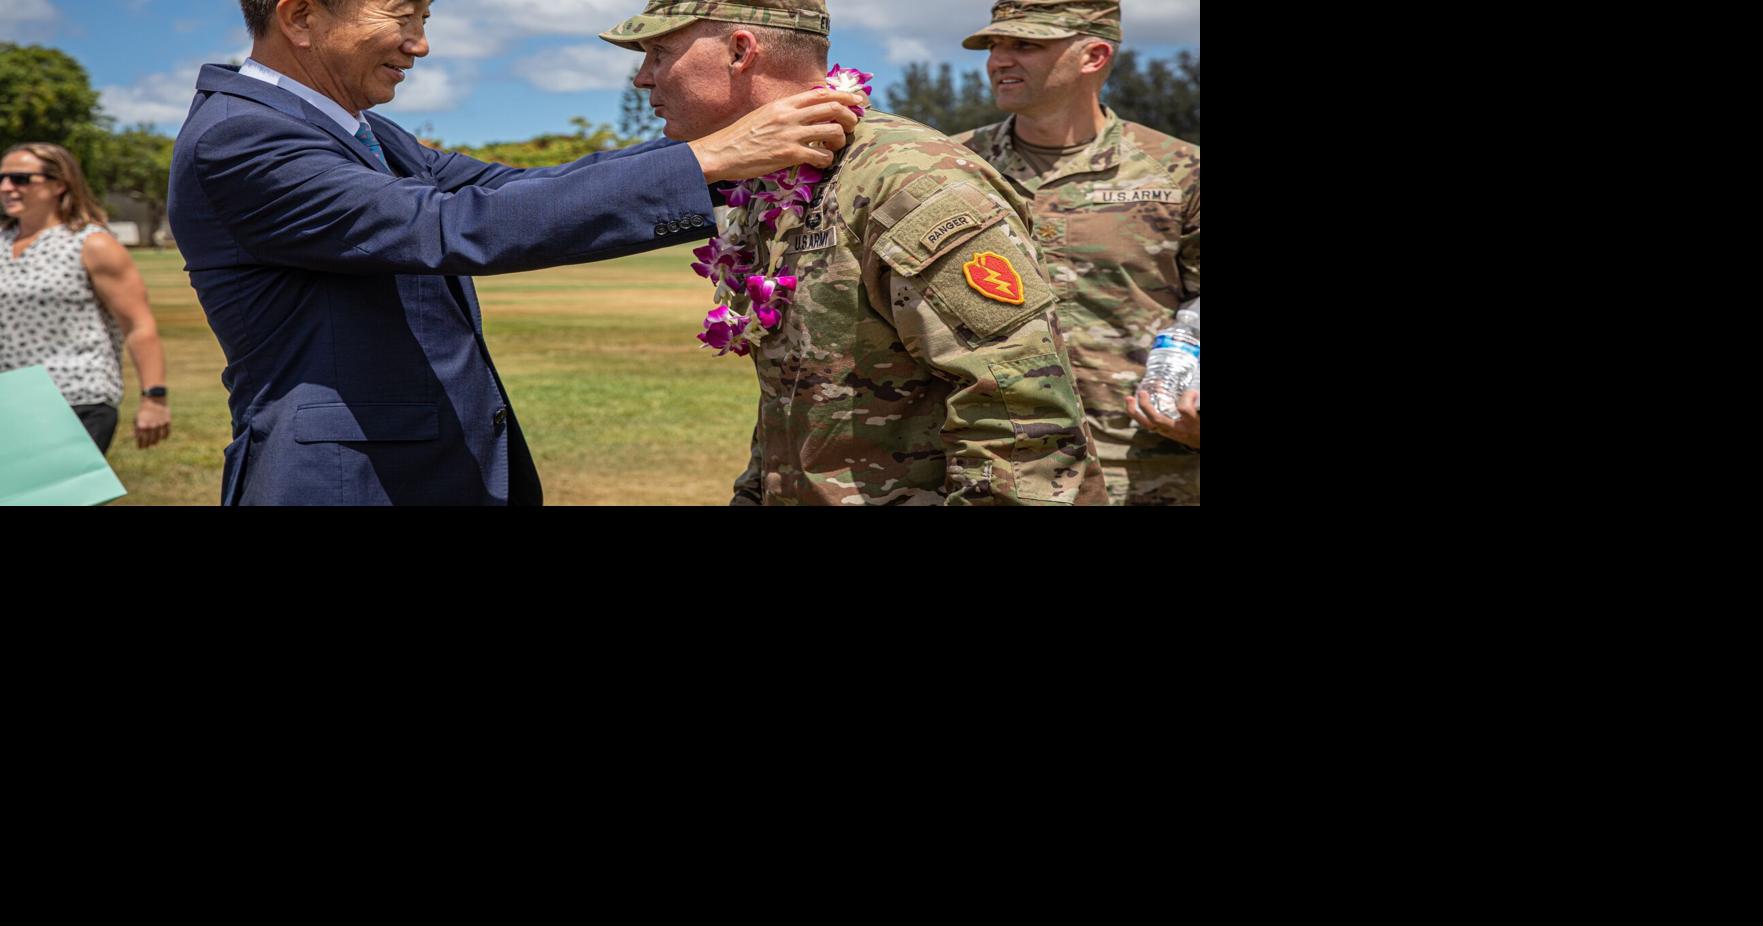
(663,16)
(1048,20)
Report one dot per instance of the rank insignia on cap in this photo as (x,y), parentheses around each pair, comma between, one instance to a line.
(993,276)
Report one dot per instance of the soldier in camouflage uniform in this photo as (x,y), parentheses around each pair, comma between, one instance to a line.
(921,361)
(1116,216)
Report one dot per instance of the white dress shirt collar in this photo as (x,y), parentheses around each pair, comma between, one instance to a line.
(255,69)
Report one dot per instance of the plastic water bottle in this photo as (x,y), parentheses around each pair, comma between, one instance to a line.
(1174,365)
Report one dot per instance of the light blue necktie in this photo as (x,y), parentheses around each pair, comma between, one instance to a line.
(365,134)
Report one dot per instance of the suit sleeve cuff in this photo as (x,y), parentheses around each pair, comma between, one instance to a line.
(690,213)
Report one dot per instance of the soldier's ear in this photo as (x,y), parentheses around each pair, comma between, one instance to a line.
(1098,56)
(741,45)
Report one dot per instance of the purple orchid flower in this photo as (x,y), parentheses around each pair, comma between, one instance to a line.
(742,193)
(721,326)
(794,201)
(759,289)
(723,262)
(770,297)
(850,80)
(792,195)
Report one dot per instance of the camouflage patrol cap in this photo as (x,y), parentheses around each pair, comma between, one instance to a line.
(1049,19)
(663,16)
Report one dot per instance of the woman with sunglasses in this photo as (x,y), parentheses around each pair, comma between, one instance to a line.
(70,295)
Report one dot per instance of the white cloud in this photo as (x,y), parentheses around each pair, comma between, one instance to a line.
(578,68)
(28,21)
(452,37)
(907,50)
(475,30)
(162,98)
(158,98)
(550,17)
(485,28)
(429,88)
(1169,22)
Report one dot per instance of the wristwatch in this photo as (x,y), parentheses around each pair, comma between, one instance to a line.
(153,392)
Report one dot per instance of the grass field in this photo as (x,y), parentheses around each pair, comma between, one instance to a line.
(619,403)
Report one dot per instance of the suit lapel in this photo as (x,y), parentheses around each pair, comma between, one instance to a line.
(362,153)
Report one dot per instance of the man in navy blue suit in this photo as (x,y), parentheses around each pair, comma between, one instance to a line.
(330,252)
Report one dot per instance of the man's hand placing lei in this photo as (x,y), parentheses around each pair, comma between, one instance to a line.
(751,303)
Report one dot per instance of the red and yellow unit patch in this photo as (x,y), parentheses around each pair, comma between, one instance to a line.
(994,277)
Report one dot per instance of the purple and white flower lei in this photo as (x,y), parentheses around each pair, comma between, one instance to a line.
(751,303)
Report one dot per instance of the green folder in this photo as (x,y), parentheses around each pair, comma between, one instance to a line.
(46,456)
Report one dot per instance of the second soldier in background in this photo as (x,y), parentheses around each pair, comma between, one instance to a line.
(1116,216)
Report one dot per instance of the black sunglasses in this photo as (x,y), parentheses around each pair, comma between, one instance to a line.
(22,179)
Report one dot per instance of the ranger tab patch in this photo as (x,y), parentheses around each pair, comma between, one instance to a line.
(936,236)
(994,277)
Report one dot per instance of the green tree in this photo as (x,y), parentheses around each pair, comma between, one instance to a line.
(1165,95)
(936,102)
(136,163)
(636,120)
(547,150)
(45,95)
(1162,94)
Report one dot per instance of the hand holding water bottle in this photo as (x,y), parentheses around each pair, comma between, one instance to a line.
(1168,399)
(1183,430)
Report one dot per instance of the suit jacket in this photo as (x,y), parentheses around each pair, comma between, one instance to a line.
(356,367)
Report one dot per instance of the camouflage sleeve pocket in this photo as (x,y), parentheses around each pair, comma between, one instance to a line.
(966,262)
(990,283)
(1047,458)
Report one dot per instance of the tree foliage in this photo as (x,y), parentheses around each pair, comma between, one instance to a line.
(1162,94)
(936,102)
(45,96)
(136,163)
(636,124)
(547,150)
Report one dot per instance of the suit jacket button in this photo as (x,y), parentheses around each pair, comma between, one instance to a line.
(697,221)
(501,416)
(660,231)
(672,227)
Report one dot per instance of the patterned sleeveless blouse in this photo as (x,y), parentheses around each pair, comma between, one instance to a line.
(50,317)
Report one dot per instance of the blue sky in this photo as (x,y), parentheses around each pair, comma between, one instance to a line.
(500,70)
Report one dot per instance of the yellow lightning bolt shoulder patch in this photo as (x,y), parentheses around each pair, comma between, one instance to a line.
(994,277)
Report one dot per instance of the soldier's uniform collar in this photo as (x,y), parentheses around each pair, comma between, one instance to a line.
(1103,154)
(815,213)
